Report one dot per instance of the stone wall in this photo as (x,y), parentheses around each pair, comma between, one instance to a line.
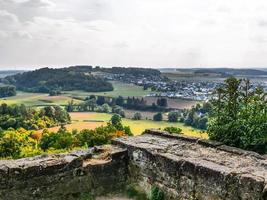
(190,168)
(183,167)
(64,176)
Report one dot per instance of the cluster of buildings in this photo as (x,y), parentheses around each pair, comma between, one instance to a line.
(200,90)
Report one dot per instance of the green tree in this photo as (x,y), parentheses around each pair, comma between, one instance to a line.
(173,117)
(137,116)
(240,118)
(115,119)
(158,117)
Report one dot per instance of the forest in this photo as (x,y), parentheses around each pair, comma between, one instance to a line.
(46,80)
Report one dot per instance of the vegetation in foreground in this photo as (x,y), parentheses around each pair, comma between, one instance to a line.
(20,116)
(240,116)
(22,143)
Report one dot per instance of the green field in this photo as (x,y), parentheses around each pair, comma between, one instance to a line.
(40,99)
(36,99)
(86,120)
(120,89)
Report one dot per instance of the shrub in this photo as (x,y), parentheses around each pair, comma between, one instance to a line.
(156,193)
(173,116)
(174,130)
(137,116)
(158,117)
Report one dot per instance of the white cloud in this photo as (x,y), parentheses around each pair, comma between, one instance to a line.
(134,33)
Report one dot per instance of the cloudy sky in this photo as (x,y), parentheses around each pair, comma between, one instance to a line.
(154,33)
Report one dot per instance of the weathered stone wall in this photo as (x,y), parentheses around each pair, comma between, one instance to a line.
(64,176)
(185,168)
(189,168)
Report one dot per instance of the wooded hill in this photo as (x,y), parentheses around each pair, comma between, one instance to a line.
(46,80)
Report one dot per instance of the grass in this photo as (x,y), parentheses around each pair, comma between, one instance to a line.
(120,89)
(83,120)
(40,99)
(36,99)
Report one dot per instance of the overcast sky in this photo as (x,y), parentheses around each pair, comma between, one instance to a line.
(146,33)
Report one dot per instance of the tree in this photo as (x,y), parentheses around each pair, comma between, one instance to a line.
(119,101)
(115,119)
(239,117)
(91,104)
(163,102)
(105,108)
(173,116)
(158,117)
(137,116)
(118,110)
(100,100)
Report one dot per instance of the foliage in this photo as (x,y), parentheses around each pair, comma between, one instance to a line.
(13,143)
(22,143)
(173,116)
(173,129)
(240,116)
(137,72)
(105,108)
(87,196)
(19,116)
(158,117)
(137,116)
(156,193)
(7,91)
(45,80)
(197,116)
(134,192)
(163,102)
(118,110)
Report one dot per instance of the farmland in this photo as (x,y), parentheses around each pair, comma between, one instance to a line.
(36,99)
(91,120)
(120,89)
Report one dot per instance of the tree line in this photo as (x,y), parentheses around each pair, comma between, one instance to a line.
(100,103)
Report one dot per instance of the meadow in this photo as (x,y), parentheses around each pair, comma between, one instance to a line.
(120,89)
(91,120)
(41,99)
(36,99)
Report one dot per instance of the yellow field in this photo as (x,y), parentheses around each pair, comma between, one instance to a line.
(85,120)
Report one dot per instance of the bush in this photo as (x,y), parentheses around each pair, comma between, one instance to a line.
(173,116)
(158,117)
(118,110)
(137,116)
(156,193)
(174,130)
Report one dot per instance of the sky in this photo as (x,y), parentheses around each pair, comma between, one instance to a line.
(144,33)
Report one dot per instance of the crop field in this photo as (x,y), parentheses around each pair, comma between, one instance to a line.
(91,120)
